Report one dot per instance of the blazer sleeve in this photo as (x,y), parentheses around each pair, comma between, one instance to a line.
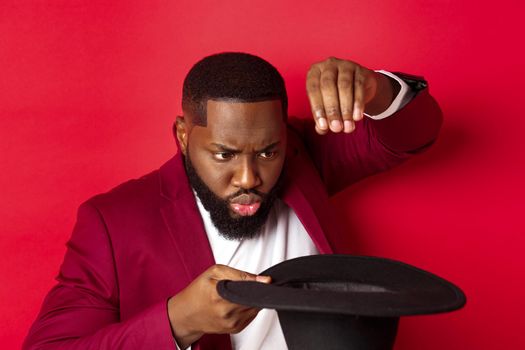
(82,310)
(375,145)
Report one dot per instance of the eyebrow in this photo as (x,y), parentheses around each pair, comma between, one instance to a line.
(233,150)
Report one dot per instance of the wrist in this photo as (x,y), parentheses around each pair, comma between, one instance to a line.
(183,333)
(387,90)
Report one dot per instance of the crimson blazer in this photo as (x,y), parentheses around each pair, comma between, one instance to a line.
(137,245)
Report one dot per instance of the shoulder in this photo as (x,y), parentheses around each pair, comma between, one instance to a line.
(134,194)
(302,135)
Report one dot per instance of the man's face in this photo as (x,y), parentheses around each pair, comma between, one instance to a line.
(235,162)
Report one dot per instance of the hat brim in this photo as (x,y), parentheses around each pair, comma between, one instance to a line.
(345,284)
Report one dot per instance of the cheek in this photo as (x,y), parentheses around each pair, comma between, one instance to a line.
(213,175)
(217,180)
(270,174)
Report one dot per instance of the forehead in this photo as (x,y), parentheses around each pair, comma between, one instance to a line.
(240,123)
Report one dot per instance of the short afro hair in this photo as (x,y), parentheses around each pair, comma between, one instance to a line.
(235,76)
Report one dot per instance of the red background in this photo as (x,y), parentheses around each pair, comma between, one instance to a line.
(89,89)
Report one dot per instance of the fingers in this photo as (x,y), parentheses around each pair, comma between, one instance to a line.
(331,99)
(345,81)
(359,95)
(222,272)
(337,91)
(316,99)
(243,321)
(233,318)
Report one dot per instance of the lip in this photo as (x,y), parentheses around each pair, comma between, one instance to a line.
(245,204)
(245,209)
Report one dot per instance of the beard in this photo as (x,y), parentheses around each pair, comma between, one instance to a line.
(229,227)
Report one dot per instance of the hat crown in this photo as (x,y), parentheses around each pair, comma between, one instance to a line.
(344,301)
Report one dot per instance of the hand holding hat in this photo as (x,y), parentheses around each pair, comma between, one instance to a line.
(198,308)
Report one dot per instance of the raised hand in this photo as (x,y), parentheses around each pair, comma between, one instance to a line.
(340,90)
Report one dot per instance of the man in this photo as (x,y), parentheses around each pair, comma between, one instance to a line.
(248,189)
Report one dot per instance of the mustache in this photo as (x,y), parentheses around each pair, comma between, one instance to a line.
(247,191)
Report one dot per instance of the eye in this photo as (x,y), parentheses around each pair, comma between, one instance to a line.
(267,155)
(222,156)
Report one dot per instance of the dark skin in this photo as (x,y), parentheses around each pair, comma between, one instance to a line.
(341,91)
(244,146)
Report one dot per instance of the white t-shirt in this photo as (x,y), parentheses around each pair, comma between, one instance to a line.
(282,237)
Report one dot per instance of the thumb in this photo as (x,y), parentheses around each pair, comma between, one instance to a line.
(263,279)
(229,273)
(222,272)
(246,276)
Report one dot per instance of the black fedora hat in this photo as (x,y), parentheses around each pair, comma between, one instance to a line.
(343,301)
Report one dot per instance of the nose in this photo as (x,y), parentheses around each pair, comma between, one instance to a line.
(246,175)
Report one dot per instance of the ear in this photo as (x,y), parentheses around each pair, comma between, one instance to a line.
(181,131)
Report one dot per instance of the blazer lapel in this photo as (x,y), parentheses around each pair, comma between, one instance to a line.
(184,222)
(301,192)
(295,199)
